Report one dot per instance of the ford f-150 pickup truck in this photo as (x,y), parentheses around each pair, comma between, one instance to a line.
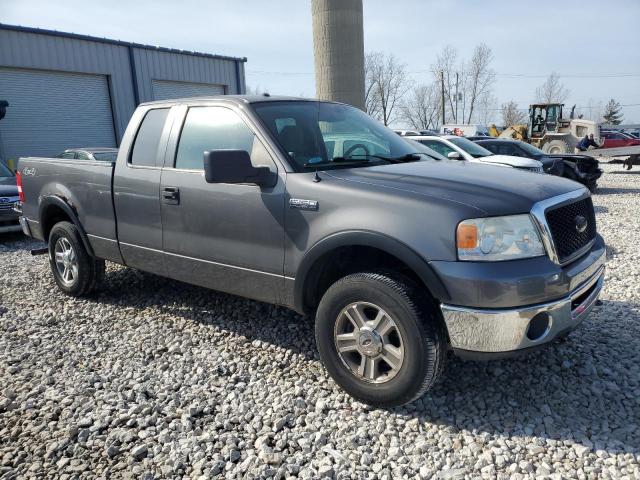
(315,206)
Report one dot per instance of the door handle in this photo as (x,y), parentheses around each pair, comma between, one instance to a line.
(171,195)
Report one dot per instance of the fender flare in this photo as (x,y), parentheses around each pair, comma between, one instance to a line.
(366,239)
(58,201)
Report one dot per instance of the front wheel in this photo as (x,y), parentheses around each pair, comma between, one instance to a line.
(379,339)
(75,272)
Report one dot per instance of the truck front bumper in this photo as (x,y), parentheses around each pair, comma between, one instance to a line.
(481,332)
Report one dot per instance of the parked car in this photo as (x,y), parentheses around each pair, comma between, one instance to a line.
(429,151)
(413,133)
(581,168)
(8,197)
(93,153)
(618,139)
(460,148)
(407,133)
(399,258)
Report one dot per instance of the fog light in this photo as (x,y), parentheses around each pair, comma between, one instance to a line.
(539,326)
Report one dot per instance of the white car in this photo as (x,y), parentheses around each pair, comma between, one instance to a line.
(459,148)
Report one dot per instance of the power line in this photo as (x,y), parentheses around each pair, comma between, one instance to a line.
(504,75)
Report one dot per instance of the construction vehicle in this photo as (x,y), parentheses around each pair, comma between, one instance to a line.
(550,131)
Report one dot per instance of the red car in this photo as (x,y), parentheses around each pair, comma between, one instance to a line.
(618,139)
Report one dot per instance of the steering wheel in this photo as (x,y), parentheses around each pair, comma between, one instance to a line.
(352,148)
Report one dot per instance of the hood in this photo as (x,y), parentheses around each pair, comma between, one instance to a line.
(8,187)
(519,162)
(491,190)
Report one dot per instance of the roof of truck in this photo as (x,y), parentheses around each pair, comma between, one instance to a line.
(237,99)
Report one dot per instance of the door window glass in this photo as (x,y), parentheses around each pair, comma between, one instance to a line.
(145,148)
(211,128)
(67,155)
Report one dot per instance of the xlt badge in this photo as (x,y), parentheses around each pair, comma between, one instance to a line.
(303,204)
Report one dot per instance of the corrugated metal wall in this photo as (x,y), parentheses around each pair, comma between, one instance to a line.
(158,65)
(59,52)
(53,111)
(48,52)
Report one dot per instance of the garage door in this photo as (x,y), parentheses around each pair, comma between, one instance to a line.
(165,90)
(50,111)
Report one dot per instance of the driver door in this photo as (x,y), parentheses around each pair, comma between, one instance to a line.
(227,237)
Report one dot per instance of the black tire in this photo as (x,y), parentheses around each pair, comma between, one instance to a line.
(90,270)
(557,147)
(418,323)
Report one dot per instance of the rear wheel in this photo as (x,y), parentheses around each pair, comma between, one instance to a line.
(379,340)
(75,272)
(557,147)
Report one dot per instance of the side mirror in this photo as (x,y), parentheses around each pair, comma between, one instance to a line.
(454,155)
(234,166)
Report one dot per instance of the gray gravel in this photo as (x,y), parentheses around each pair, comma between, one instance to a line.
(153,378)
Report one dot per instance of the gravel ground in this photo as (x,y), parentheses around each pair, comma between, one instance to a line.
(153,378)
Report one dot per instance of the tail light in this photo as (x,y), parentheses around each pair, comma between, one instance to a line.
(19,183)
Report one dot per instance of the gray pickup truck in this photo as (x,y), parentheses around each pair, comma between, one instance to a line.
(315,206)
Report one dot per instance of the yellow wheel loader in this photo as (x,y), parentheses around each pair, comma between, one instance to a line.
(549,131)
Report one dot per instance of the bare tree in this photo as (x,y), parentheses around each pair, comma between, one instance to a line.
(372,65)
(445,68)
(386,83)
(485,109)
(512,115)
(422,107)
(479,78)
(552,90)
(473,81)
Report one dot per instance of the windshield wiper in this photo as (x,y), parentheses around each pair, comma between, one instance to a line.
(337,161)
(365,158)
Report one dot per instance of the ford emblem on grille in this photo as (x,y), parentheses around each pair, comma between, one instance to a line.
(581,223)
(4,200)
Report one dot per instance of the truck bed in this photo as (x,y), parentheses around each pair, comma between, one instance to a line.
(86,185)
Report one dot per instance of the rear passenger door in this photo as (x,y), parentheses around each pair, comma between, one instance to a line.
(228,237)
(136,191)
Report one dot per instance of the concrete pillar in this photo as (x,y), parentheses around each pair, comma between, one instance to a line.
(338,48)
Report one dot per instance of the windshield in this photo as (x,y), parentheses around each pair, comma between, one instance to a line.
(106,156)
(320,135)
(5,172)
(473,149)
(530,149)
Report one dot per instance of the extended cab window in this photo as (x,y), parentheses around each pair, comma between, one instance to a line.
(145,148)
(211,128)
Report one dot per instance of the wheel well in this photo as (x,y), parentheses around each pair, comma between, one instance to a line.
(52,215)
(346,260)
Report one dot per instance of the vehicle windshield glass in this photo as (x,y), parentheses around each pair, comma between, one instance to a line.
(106,156)
(5,172)
(530,149)
(321,135)
(471,148)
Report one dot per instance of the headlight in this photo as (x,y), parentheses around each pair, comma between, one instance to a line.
(498,238)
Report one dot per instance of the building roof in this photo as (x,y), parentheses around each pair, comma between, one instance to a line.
(89,38)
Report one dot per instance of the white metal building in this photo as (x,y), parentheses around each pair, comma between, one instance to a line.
(67,90)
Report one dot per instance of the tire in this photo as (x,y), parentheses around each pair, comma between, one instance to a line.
(557,147)
(417,333)
(75,272)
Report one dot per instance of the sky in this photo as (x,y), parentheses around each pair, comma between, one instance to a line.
(593,45)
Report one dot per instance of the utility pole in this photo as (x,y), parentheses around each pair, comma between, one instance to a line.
(456,97)
(338,47)
(442,95)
